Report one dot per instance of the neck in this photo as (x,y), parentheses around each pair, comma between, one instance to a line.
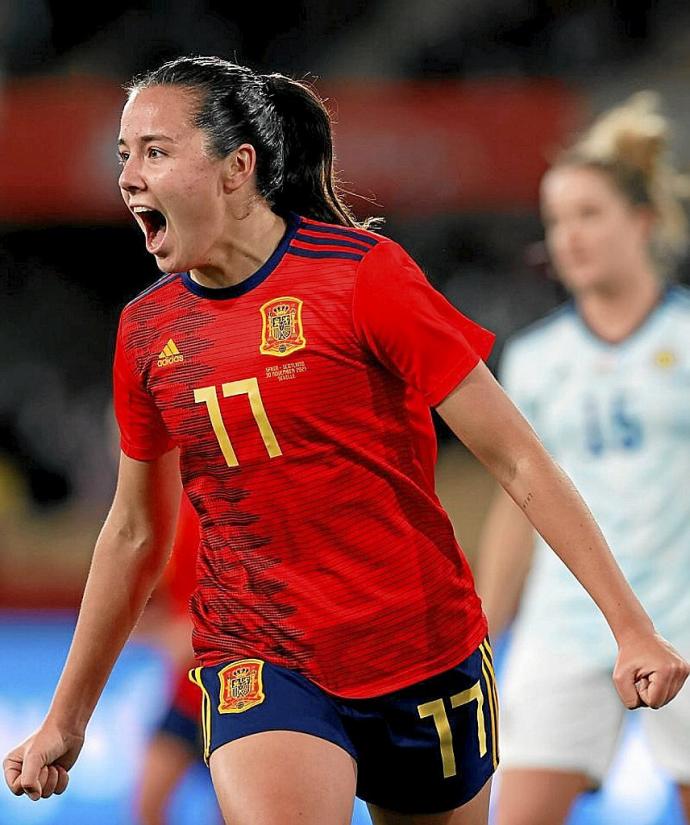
(613,313)
(248,244)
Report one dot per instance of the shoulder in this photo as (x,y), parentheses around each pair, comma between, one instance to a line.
(374,256)
(153,294)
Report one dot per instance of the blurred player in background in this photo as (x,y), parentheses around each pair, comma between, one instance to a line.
(605,382)
(177,743)
(287,365)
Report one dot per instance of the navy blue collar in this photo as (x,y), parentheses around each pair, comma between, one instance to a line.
(256,278)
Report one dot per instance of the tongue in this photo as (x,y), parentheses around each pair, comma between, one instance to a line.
(155,236)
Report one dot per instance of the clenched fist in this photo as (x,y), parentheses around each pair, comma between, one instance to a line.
(38,767)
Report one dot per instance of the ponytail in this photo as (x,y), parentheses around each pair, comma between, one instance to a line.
(309,185)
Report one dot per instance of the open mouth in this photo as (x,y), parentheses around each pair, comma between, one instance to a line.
(155,225)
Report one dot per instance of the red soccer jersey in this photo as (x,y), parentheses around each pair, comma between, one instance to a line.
(299,400)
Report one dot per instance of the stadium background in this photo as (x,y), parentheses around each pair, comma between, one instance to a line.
(446,114)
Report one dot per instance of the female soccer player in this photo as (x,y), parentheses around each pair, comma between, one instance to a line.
(611,401)
(287,364)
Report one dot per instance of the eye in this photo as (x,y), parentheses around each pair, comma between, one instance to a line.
(589,211)
(153,149)
(122,157)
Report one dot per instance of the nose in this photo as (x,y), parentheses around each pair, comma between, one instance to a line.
(130,179)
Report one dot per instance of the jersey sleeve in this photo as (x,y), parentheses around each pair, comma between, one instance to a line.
(411,328)
(143,435)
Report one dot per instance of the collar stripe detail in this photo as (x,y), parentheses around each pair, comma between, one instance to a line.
(315,239)
(327,229)
(324,254)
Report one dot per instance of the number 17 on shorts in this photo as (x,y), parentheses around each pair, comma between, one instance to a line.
(483,698)
(445,736)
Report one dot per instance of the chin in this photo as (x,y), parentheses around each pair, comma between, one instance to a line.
(169,264)
(166,269)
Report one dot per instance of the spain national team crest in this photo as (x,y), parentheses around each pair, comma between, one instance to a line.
(282,331)
(241,686)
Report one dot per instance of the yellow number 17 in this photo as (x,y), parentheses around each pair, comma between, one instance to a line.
(437,710)
(250,388)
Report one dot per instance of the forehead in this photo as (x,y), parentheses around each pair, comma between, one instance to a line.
(571,184)
(159,110)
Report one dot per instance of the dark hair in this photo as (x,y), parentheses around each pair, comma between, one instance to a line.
(283,119)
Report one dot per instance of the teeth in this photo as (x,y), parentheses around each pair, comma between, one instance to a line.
(138,209)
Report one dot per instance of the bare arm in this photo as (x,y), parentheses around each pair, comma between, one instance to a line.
(484,418)
(505,554)
(129,556)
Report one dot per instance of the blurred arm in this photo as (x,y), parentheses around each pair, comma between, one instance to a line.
(506,548)
(129,556)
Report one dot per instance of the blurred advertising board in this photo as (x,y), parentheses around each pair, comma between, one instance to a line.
(414,148)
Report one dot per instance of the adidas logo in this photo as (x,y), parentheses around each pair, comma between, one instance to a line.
(170,354)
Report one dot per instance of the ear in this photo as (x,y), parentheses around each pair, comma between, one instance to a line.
(240,166)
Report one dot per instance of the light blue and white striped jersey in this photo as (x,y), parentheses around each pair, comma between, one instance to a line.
(616,417)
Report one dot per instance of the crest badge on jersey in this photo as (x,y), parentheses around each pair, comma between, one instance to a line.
(241,686)
(665,359)
(282,332)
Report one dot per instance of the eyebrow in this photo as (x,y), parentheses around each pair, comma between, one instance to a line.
(147,139)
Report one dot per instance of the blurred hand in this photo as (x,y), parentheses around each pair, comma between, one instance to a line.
(649,672)
(38,767)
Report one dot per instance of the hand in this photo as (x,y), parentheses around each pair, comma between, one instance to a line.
(648,672)
(38,767)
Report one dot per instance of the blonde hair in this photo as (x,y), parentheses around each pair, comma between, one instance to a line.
(630,144)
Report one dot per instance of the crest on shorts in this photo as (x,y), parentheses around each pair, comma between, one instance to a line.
(282,331)
(241,686)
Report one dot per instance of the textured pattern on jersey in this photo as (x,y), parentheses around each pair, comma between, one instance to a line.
(325,548)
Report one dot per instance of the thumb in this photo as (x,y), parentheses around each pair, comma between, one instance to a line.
(30,782)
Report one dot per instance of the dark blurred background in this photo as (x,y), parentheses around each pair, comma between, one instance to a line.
(446,114)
